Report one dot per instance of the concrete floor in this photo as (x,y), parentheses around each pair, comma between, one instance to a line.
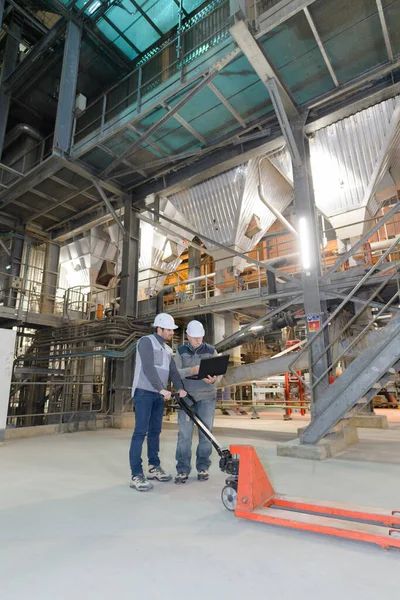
(72,528)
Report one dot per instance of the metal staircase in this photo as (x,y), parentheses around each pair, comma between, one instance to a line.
(362,380)
(376,349)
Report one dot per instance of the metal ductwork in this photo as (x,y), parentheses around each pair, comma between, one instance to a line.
(22,129)
(285,319)
(160,297)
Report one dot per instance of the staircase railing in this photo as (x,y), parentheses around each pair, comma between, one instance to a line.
(390,273)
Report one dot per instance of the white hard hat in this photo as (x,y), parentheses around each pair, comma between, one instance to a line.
(195,329)
(164,321)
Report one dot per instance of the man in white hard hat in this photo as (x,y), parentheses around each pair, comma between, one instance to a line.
(204,392)
(154,367)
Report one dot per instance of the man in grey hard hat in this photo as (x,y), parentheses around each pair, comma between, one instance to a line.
(154,367)
(204,392)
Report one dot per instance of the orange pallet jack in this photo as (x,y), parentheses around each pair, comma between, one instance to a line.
(249,493)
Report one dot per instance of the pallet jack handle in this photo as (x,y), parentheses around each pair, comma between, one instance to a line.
(228,464)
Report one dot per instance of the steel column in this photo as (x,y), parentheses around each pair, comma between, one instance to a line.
(69,77)
(9,63)
(17,249)
(128,302)
(195,267)
(2,3)
(49,287)
(130,261)
(310,251)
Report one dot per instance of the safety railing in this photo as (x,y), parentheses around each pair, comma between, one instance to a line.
(29,296)
(384,276)
(90,302)
(62,397)
(126,97)
(256,8)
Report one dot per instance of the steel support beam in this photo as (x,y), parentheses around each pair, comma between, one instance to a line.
(50,276)
(310,255)
(36,176)
(283,118)
(284,107)
(128,301)
(9,63)
(260,64)
(28,15)
(69,77)
(144,137)
(385,30)
(87,173)
(2,4)
(280,13)
(155,146)
(189,128)
(194,271)
(146,16)
(227,104)
(17,249)
(321,46)
(130,261)
(110,207)
(28,65)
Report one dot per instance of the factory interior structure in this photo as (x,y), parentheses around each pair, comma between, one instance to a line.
(236,162)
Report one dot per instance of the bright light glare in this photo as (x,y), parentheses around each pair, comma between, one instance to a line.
(256,327)
(304,244)
(93,7)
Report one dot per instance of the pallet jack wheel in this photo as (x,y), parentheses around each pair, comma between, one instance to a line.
(229,496)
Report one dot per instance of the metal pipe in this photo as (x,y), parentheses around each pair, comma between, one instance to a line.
(271,279)
(19,130)
(381,245)
(262,368)
(199,278)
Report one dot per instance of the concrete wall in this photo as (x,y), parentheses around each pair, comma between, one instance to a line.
(7,345)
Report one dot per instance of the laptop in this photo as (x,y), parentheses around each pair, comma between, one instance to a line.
(216,365)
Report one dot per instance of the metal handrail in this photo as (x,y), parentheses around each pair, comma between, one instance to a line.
(358,337)
(347,298)
(140,68)
(363,240)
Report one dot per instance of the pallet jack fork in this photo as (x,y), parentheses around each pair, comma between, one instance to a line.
(249,493)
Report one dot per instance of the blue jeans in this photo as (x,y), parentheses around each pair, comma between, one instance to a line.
(149,411)
(205,409)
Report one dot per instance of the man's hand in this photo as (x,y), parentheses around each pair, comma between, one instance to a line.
(210,379)
(182,393)
(166,394)
(195,370)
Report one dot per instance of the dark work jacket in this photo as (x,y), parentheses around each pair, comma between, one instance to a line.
(186,358)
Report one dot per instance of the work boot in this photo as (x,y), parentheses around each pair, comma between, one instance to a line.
(158,473)
(203,475)
(181,478)
(140,484)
